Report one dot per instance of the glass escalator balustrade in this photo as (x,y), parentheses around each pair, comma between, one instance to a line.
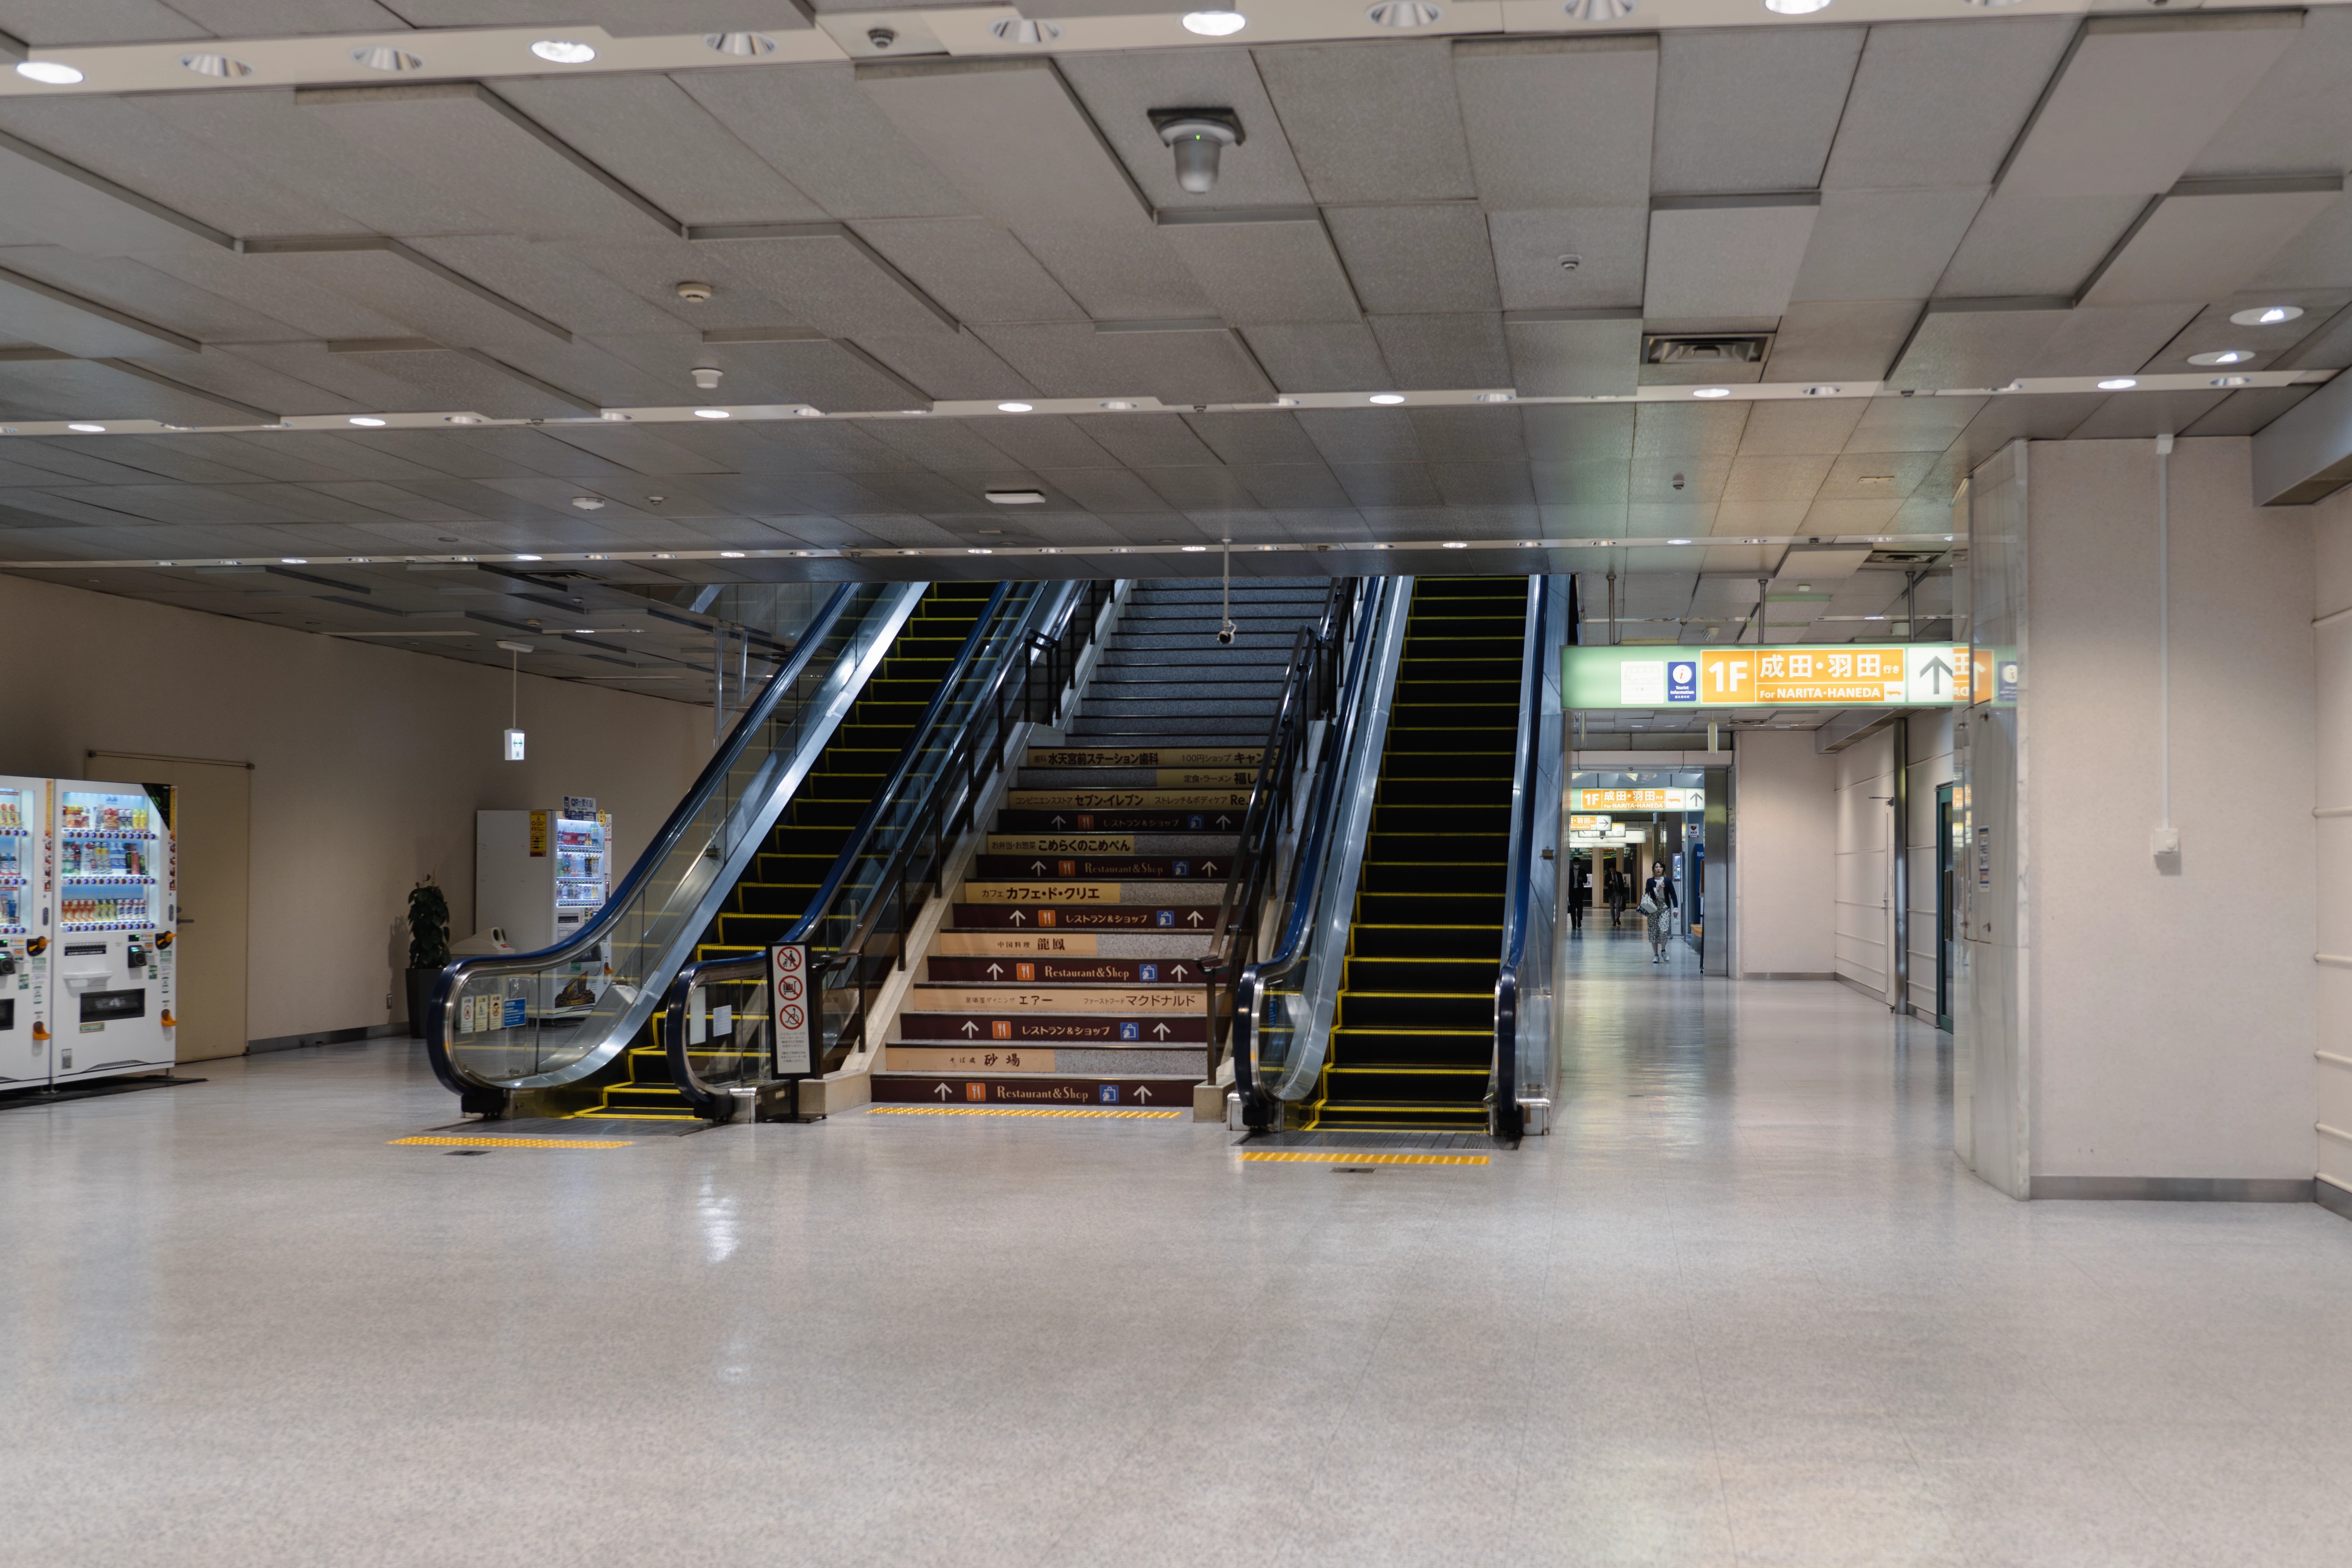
(1413,1045)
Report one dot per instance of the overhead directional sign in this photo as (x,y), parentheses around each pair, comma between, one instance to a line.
(1794,675)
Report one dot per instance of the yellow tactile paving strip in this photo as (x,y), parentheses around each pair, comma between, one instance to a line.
(526,1142)
(1354,1157)
(1024,1110)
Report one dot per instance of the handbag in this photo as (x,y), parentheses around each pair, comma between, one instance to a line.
(1648,905)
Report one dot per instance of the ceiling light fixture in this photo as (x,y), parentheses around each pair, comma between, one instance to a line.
(1795,7)
(742,45)
(1214,23)
(1711,391)
(1404,13)
(385,58)
(2231,381)
(1385,398)
(1016,498)
(89,429)
(1015,407)
(732,554)
(1021,30)
(294,561)
(2260,316)
(713,413)
(807,413)
(978,550)
(564,51)
(2118,383)
(2222,357)
(219,67)
(1678,542)
(1496,396)
(589,503)
(529,558)
(366,421)
(1823,390)
(1598,10)
(1453,544)
(49,73)
(1116,403)
(1199,139)
(1286,402)
(1195,549)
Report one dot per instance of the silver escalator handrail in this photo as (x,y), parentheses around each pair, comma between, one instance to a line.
(880,610)
(1029,621)
(1529,844)
(1317,957)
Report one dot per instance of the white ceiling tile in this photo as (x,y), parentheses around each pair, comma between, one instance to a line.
(1721,260)
(1940,103)
(2206,238)
(1609,245)
(1573,357)
(1010,136)
(1266,273)
(1750,109)
(1375,122)
(1558,122)
(976,270)
(1121,89)
(813,124)
(1331,358)
(1417,260)
(2037,244)
(1463,350)
(1884,244)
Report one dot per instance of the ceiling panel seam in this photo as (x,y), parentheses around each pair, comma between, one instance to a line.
(915,394)
(129,367)
(91,307)
(488,361)
(108,188)
(2049,90)
(720,232)
(333,244)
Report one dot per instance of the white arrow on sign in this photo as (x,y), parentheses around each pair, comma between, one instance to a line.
(942,1092)
(1036,867)
(1160,1030)
(1178,972)
(1194,917)
(996,971)
(1143,1093)
(1057,820)
(1020,919)
(1208,867)
(970,1028)
(1225,822)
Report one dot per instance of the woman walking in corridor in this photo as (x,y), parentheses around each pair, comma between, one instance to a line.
(1657,907)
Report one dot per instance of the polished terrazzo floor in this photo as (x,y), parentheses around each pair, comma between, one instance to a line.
(1740,1307)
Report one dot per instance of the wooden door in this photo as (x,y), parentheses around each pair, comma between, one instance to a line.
(214,825)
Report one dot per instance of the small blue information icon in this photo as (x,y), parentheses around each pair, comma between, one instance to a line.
(1682,680)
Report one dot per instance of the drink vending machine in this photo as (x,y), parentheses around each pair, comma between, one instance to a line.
(537,875)
(115,904)
(27,868)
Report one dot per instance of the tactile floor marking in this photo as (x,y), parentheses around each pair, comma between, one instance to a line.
(1023,1111)
(526,1142)
(1355,1157)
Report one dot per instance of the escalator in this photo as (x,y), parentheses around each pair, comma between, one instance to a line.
(775,890)
(1412,1043)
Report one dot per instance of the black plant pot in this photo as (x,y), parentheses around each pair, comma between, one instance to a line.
(420,991)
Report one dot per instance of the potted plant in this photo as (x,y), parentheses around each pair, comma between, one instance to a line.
(428,946)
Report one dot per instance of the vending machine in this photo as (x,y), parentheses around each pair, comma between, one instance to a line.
(27,868)
(115,901)
(537,875)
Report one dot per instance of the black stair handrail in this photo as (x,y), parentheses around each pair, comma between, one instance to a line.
(1309,691)
(1526,839)
(1307,863)
(1067,616)
(594,931)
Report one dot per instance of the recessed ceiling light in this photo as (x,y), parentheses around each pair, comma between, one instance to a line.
(469,419)
(1016,498)
(2222,357)
(914,411)
(712,414)
(2118,383)
(564,51)
(366,421)
(2232,381)
(89,429)
(1387,397)
(1214,23)
(1795,7)
(584,631)
(807,413)
(978,550)
(742,45)
(50,73)
(1948,539)
(385,58)
(1014,407)
(1823,390)
(1711,391)
(1454,545)
(1402,14)
(1285,403)
(1117,403)
(529,558)
(1195,549)
(2260,316)
(1496,397)
(1598,10)
(732,554)
(1021,30)
(294,561)
(1678,542)
(589,503)
(217,66)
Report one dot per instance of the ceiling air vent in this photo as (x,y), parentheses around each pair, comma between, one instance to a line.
(1705,348)
(1903,557)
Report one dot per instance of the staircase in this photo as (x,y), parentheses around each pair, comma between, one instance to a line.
(783,877)
(1413,1041)
(1068,971)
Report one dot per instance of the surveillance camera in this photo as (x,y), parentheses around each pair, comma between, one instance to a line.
(1199,137)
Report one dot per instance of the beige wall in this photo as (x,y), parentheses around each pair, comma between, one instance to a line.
(2332,542)
(369,764)
(1864,772)
(2172,1011)
(1785,849)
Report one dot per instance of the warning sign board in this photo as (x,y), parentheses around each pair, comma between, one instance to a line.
(793,1001)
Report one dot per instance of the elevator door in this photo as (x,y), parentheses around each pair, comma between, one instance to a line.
(1946,913)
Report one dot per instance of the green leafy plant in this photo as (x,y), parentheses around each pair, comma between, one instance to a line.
(428,925)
